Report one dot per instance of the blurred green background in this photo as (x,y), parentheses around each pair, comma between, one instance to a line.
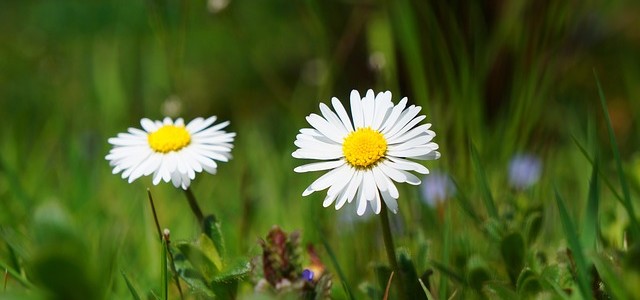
(507,76)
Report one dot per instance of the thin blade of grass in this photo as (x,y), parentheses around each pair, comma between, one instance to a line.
(164,283)
(573,241)
(484,186)
(465,203)
(15,275)
(334,260)
(132,289)
(635,226)
(448,272)
(604,178)
(590,221)
(386,290)
(426,290)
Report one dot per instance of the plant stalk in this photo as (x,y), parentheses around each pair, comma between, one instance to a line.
(391,252)
(193,204)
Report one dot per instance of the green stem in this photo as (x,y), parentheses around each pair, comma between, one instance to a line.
(391,252)
(193,204)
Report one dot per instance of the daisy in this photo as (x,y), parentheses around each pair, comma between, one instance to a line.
(365,157)
(170,150)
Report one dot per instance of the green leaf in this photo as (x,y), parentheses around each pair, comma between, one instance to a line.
(190,275)
(412,287)
(613,285)
(528,284)
(502,291)
(202,254)
(628,205)
(571,234)
(235,271)
(512,250)
(132,289)
(533,225)
(448,272)
(211,228)
(481,178)
(478,272)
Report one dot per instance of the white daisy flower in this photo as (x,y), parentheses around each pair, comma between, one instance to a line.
(365,157)
(170,150)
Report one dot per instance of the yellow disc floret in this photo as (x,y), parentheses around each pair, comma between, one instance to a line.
(364,148)
(169,138)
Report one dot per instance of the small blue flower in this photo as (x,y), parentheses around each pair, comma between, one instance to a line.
(307,275)
(524,170)
(437,187)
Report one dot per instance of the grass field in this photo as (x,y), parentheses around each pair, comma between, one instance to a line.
(534,105)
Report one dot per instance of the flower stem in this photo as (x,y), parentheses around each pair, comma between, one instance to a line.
(193,204)
(391,252)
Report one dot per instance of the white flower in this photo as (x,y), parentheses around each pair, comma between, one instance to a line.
(367,155)
(170,150)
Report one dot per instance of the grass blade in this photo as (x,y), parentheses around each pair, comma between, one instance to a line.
(132,289)
(15,275)
(604,178)
(442,290)
(338,269)
(590,221)
(574,244)
(163,275)
(635,226)
(484,186)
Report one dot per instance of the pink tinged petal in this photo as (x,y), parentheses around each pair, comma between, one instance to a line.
(333,119)
(368,108)
(319,166)
(350,191)
(382,107)
(342,113)
(148,125)
(356,109)
(325,127)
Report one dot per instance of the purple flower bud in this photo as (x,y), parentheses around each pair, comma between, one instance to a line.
(524,170)
(437,187)
(307,275)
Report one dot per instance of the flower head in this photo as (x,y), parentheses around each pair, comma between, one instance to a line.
(524,170)
(437,187)
(170,150)
(366,153)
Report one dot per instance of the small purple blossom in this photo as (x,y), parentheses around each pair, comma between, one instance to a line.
(307,275)
(437,187)
(524,170)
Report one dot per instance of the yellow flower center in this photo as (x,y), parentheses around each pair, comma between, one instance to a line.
(364,147)
(169,138)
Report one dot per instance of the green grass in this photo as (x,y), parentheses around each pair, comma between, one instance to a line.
(493,80)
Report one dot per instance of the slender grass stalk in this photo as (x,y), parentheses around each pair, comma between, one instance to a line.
(132,289)
(341,275)
(391,252)
(23,280)
(386,290)
(164,291)
(166,245)
(193,204)
(445,252)
(6,278)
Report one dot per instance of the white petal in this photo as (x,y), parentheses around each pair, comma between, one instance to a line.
(368,108)
(390,201)
(382,107)
(325,127)
(418,131)
(167,121)
(323,182)
(342,113)
(315,154)
(333,119)
(369,185)
(409,165)
(148,125)
(393,116)
(179,122)
(362,202)
(319,166)
(430,156)
(375,204)
(350,192)
(405,118)
(356,109)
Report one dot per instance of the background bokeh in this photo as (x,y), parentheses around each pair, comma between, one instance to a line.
(508,77)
